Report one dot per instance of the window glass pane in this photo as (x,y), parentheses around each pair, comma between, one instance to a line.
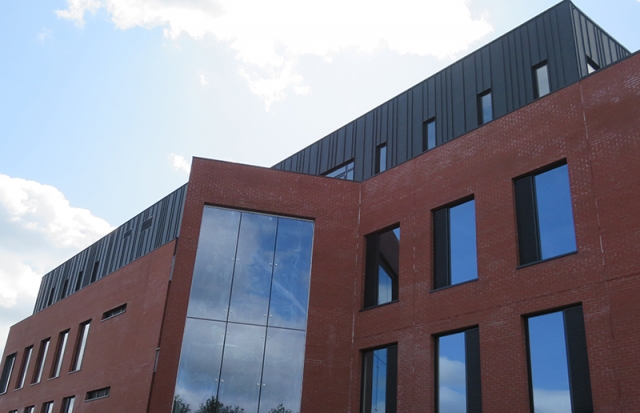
(385,286)
(82,344)
(42,357)
(242,367)
(548,358)
(464,263)
(6,372)
(25,367)
(486,108)
(254,264)
(555,215)
(211,285)
(282,375)
(542,80)
(379,381)
(431,134)
(381,158)
(200,361)
(62,345)
(452,389)
(290,287)
(381,281)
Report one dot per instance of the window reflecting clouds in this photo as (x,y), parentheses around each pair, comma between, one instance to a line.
(250,270)
(452,389)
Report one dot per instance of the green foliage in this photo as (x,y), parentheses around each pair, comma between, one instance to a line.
(179,406)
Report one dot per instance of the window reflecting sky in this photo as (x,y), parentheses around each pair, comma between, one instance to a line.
(379,381)
(462,226)
(555,215)
(549,368)
(250,270)
(452,389)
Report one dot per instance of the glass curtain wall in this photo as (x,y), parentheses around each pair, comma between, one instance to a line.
(244,338)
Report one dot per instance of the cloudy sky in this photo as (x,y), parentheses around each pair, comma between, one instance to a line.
(104,102)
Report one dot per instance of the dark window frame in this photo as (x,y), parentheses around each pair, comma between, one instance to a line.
(24,367)
(58,355)
(366,383)
(80,347)
(67,404)
(536,84)
(426,135)
(373,260)
(481,107)
(43,351)
(7,372)
(348,166)
(592,66)
(97,394)
(114,312)
(381,156)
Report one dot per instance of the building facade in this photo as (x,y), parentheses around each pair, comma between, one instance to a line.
(473,246)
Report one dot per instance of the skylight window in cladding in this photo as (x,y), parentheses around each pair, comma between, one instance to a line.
(343,172)
(541,80)
(247,312)
(428,134)
(485,107)
(381,158)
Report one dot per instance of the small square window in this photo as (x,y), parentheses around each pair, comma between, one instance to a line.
(458,386)
(428,134)
(379,380)
(541,80)
(381,158)
(558,361)
(454,244)
(381,272)
(485,107)
(544,215)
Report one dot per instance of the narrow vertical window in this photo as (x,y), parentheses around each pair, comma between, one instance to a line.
(63,291)
(42,357)
(428,134)
(544,215)
(379,378)
(591,65)
(454,246)
(67,404)
(485,107)
(24,367)
(94,273)
(558,362)
(81,344)
(59,354)
(381,158)
(78,281)
(541,80)
(381,267)
(458,372)
(6,372)
(30,409)
(47,407)
(52,296)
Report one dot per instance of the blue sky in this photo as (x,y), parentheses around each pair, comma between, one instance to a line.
(104,102)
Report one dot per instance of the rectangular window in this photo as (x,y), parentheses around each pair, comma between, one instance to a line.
(13,411)
(379,380)
(98,394)
(59,354)
(114,311)
(544,215)
(78,281)
(381,267)
(6,372)
(47,407)
(26,358)
(67,404)
(458,372)
(381,158)
(81,344)
(485,107)
(541,80)
(428,134)
(344,171)
(52,296)
(94,273)
(558,362)
(30,409)
(42,357)
(454,244)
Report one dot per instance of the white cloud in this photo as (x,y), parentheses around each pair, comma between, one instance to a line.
(39,230)
(179,163)
(203,80)
(551,401)
(45,34)
(268,36)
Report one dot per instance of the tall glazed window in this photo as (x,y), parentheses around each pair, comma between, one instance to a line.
(244,338)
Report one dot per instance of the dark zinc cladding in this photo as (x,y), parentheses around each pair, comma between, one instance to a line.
(244,338)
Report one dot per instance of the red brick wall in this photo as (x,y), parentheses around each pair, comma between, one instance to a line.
(120,352)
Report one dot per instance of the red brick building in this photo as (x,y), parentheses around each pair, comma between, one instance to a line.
(463,246)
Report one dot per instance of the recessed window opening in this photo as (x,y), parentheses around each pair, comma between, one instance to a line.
(146,224)
(379,380)
(114,311)
(454,246)
(381,158)
(344,171)
(30,409)
(42,357)
(78,281)
(63,291)
(544,215)
(81,344)
(26,358)
(591,65)
(381,270)
(67,404)
(59,354)
(94,273)
(541,80)
(47,407)
(429,134)
(485,107)
(98,394)
(51,296)
(6,372)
